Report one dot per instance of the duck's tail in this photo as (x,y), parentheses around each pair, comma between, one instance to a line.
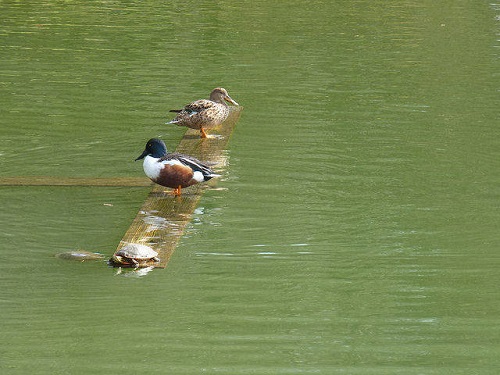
(207,177)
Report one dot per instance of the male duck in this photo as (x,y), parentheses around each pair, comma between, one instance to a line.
(204,113)
(173,170)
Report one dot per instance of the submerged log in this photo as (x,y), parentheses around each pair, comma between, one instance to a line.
(162,218)
(74,181)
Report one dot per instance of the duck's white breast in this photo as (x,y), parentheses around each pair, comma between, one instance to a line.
(152,167)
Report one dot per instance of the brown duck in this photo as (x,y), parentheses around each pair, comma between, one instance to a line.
(204,113)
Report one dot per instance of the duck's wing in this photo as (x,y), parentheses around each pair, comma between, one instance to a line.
(196,107)
(190,162)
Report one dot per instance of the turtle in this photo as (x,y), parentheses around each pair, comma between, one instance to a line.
(80,255)
(135,254)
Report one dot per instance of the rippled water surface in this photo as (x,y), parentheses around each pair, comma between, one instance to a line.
(355,229)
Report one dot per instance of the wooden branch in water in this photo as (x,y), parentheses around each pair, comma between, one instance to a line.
(162,218)
(74,181)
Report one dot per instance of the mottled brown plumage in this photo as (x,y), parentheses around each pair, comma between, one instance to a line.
(204,113)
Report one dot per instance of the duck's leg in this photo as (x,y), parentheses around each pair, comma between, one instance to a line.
(177,191)
(203,134)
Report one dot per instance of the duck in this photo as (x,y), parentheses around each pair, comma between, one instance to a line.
(205,113)
(173,170)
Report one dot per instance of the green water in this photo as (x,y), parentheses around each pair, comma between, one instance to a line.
(355,230)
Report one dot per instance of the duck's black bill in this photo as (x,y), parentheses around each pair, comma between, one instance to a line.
(143,155)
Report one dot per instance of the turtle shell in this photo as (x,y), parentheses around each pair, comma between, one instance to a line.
(80,255)
(136,251)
